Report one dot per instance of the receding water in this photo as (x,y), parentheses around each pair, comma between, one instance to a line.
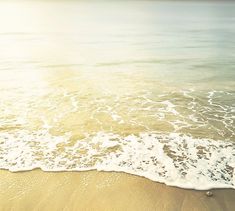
(147,88)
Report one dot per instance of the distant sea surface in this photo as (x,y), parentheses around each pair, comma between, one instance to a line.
(142,87)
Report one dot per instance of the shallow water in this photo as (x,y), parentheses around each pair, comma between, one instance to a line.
(147,88)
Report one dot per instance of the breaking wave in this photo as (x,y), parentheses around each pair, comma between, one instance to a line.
(173,159)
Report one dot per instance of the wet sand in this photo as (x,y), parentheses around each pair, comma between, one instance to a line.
(92,190)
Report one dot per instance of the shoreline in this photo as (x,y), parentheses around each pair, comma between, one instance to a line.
(97,190)
(132,173)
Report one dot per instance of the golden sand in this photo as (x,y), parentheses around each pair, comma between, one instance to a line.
(92,190)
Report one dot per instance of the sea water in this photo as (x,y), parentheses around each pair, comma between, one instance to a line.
(142,87)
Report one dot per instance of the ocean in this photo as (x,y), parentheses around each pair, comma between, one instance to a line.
(142,87)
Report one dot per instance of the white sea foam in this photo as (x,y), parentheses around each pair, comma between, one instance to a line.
(173,159)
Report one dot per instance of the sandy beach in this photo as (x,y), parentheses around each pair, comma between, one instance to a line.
(92,190)
(142,87)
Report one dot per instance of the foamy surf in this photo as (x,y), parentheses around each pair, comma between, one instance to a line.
(173,159)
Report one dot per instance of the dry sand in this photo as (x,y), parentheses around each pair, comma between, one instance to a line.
(92,190)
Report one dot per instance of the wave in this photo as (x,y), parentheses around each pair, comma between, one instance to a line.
(173,159)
